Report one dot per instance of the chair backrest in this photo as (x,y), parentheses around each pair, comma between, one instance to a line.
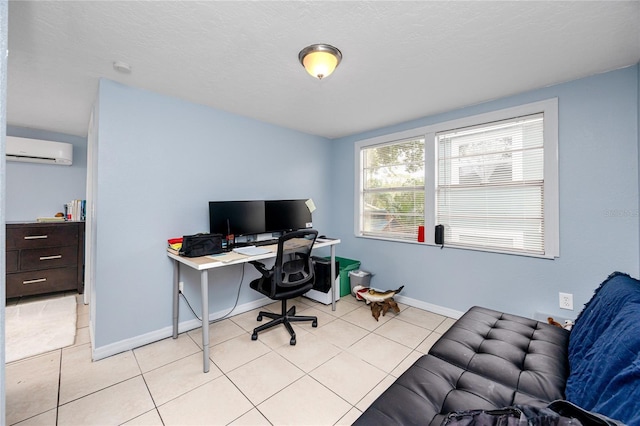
(294,266)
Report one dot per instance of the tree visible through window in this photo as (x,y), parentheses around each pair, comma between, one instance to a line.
(490,179)
(392,201)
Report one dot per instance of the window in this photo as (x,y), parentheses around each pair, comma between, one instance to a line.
(392,196)
(490,190)
(491,180)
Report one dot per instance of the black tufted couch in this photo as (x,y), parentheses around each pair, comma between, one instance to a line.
(489,360)
(486,360)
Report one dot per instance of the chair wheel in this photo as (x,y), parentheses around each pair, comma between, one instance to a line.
(292,341)
(254,336)
(259,318)
(314,324)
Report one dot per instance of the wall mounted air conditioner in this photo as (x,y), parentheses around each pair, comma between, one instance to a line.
(39,151)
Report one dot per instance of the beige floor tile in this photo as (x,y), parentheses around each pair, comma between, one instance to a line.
(82,337)
(406,363)
(236,352)
(275,307)
(82,320)
(446,324)
(113,405)
(247,320)
(380,352)
(150,418)
(81,307)
(404,333)
(278,336)
(349,418)
(426,344)
(365,402)
(323,317)
(343,307)
(263,377)
(348,376)
(218,332)
(165,351)
(216,402)
(172,380)
(80,376)
(421,318)
(268,372)
(305,402)
(309,353)
(252,418)
(48,418)
(362,318)
(340,333)
(31,386)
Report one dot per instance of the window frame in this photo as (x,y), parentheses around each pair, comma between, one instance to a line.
(359,187)
(548,107)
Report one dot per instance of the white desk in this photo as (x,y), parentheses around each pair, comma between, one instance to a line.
(205,263)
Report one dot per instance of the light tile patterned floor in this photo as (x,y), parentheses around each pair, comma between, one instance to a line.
(329,377)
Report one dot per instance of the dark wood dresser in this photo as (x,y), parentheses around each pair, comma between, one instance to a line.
(44,258)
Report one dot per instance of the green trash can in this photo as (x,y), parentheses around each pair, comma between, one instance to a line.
(345,266)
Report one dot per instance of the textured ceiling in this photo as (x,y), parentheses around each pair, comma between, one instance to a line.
(402,59)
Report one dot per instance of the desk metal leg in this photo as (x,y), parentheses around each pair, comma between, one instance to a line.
(333,279)
(176,289)
(204,289)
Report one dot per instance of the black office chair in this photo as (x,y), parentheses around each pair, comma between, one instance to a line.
(291,276)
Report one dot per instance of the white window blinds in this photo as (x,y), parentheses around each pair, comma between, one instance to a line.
(490,185)
(392,192)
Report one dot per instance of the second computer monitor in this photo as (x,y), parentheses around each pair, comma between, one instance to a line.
(286,215)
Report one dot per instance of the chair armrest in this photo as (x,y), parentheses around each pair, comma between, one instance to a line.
(261,268)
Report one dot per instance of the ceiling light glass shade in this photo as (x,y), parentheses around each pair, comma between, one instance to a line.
(320,59)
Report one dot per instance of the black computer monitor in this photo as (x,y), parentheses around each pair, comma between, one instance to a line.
(287,215)
(237,217)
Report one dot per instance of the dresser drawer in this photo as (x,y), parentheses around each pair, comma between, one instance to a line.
(25,237)
(45,258)
(37,282)
(12,260)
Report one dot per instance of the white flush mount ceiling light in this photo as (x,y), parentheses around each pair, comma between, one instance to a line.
(320,59)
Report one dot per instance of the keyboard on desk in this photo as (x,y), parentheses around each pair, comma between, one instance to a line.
(265,242)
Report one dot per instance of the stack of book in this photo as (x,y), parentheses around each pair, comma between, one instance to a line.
(175,244)
(75,210)
(50,219)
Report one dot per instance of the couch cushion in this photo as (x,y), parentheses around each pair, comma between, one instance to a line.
(526,355)
(430,389)
(486,360)
(604,351)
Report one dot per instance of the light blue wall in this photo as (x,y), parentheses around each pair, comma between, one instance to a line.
(598,172)
(35,190)
(160,160)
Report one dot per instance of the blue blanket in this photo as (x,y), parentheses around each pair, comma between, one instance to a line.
(604,351)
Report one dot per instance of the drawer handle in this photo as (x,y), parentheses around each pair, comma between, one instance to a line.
(39,280)
(57,256)
(35,237)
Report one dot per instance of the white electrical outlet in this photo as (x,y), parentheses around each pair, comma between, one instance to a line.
(181,287)
(566,301)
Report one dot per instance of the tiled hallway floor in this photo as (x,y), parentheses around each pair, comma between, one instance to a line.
(329,377)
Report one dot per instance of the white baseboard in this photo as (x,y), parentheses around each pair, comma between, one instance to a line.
(156,335)
(436,309)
